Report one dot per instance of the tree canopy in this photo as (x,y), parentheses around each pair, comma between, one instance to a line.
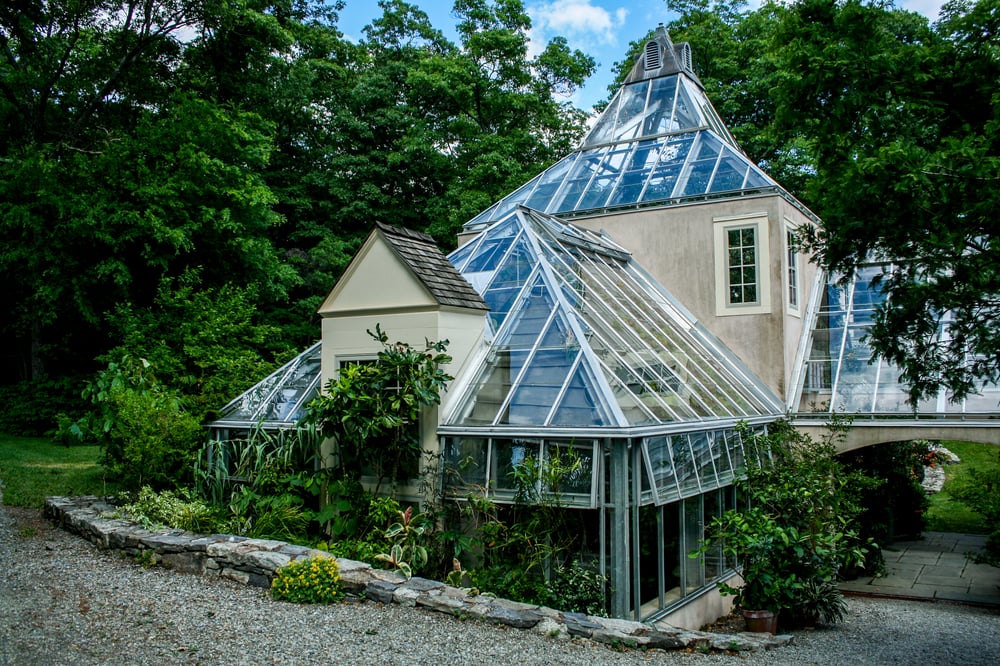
(232,154)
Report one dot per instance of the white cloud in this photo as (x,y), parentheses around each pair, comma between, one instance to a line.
(578,21)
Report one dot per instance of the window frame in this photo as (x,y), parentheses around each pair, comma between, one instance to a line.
(724,306)
(793,272)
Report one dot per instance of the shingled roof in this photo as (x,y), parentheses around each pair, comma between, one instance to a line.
(432,268)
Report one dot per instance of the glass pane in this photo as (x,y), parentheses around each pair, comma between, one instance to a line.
(631,112)
(702,444)
(693,532)
(580,460)
(672,555)
(537,389)
(465,462)
(715,564)
(662,468)
(604,129)
(686,114)
(659,114)
(684,465)
(668,168)
(730,174)
(508,456)
(577,179)
(580,404)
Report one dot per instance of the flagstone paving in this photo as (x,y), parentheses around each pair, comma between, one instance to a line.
(939,566)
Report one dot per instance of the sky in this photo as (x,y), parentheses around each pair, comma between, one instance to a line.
(602,29)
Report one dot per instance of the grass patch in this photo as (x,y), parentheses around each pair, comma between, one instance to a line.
(32,468)
(946,514)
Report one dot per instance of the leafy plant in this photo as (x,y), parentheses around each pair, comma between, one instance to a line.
(796,535)
(407,553)
(314,580)
(146,435)
(177,509)
(373,409)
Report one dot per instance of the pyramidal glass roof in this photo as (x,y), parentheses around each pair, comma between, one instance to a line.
(579,336)
(280,398)
(658,142)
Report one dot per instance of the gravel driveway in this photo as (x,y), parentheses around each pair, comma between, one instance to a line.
(62,601)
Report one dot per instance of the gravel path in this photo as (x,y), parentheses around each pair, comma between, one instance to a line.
(62,601)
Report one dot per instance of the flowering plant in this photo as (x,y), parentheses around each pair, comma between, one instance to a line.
(314,580)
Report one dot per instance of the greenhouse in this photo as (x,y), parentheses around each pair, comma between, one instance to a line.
(278,402)
(587,353)
(837,374)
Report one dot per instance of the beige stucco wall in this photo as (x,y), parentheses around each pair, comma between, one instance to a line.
(376,280)
(677,246)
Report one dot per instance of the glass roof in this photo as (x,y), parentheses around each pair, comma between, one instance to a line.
(281,397)
(658,141)
(838,375)
(580,336)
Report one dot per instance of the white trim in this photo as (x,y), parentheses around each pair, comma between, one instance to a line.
(721,225)
(794,310)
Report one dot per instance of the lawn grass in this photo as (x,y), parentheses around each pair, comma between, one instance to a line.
(946,514)
(32,468)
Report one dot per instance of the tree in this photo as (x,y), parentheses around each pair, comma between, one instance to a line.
(111,179)
(903,126)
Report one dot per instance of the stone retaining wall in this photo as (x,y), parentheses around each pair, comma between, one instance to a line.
(254,561)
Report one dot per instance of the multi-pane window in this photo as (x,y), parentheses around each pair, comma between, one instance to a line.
(741,246)
(793,271)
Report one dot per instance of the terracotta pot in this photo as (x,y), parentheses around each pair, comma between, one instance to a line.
(761,621)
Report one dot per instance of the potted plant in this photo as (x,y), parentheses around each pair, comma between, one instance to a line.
(753,539)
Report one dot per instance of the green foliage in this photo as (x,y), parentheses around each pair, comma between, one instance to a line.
(528,552)
(373,409)
(948,514)
(314,580)
(980,490)
(894,508)
(146,436)
(797,533)
(205,342)
(177,509)
(269,483)
(32,469)
(406,537)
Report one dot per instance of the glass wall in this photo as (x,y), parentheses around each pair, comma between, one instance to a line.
(839,374)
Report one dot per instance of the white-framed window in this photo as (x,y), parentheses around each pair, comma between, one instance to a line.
(742,265)
(792,271)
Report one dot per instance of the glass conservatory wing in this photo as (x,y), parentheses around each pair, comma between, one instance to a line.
(282,396)
(838,373)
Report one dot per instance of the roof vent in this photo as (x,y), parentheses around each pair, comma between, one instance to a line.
(651,56)
(683,54)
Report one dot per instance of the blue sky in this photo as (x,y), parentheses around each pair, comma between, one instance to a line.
(601,28)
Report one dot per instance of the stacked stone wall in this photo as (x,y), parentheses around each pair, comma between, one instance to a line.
(254,561)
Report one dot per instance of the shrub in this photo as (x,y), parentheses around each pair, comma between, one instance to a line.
(179,510)
(315,580)
(147,438)
(796,535)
